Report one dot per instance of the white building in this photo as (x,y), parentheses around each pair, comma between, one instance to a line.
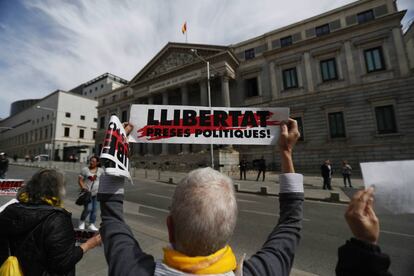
(67,121)
(99,86)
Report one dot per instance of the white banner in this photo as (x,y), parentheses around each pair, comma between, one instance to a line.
(115,149)
(177,124)
(394,185)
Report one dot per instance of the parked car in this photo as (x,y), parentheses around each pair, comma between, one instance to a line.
(41,157)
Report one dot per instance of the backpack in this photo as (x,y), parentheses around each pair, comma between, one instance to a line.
(11,266)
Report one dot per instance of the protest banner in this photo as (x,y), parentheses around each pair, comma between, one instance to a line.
(82,235)
(10,186)
(393,183)
(115,150)
(177,124)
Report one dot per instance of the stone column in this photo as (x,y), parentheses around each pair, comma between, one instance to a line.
(203,93)
(350,62)
(184,101)
(184,95)
(400,51)
(225,91)
(164,150)
(308,70)
(273,80)
(150,147)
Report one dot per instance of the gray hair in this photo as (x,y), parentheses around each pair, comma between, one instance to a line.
(44,183)
(204,212)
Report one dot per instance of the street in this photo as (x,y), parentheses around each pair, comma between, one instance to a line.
(324,227)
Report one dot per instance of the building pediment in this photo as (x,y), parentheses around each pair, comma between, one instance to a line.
(175,56)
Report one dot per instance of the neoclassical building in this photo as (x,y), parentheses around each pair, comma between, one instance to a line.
(345,75)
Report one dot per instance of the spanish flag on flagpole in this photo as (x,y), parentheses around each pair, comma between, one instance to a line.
(184,30)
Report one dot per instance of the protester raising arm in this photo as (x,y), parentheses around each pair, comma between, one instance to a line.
(361,255)
(122,252)
(277,254)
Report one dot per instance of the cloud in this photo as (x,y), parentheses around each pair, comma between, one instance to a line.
(69,42)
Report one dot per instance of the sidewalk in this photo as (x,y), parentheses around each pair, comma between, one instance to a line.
(312,184)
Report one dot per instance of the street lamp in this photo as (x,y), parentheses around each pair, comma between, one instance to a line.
(53,128)
(194,51)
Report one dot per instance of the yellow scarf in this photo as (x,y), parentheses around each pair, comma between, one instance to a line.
(221,261)
(52,201)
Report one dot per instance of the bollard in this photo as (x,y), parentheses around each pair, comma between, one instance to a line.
(263,190)
(236,187)
(170,180)
(146,173)
(334,197)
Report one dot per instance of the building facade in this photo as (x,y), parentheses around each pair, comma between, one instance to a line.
(345,74)
(61,123)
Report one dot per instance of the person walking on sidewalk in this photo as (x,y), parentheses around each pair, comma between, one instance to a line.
(326,172)
(243,168)
(261,167)
(89,180)
(199,234)
(37,230)
(346,173)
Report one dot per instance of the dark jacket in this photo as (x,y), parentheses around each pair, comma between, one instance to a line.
(125,256)
(4,164)
(41,237)
(358,258)
(326,172)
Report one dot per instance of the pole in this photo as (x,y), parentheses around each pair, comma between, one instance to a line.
(52,145)
(209,105)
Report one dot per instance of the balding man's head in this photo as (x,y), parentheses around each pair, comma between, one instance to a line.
(204,212)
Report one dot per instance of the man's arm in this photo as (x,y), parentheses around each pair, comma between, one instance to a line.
(361,255)
(122,252)
(277,254)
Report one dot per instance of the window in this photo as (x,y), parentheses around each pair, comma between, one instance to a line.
(252,87)
(95,120)
(336,124)
(290,78)
(81,133)
(47,116)
(286,41)
(102,122)
(67,132)
(67,114)
(249,54)
(114,98)
(374,59)
(125,94)
(322,30)
(124,116)
(90,91)
(101,86)
(94,135)
(300,127)
(328,70)
(385,119)
(96,88)
(46,133)
(103,101)
(365,16)
(82,117)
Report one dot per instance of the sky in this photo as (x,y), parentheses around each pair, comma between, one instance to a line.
(47,45)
